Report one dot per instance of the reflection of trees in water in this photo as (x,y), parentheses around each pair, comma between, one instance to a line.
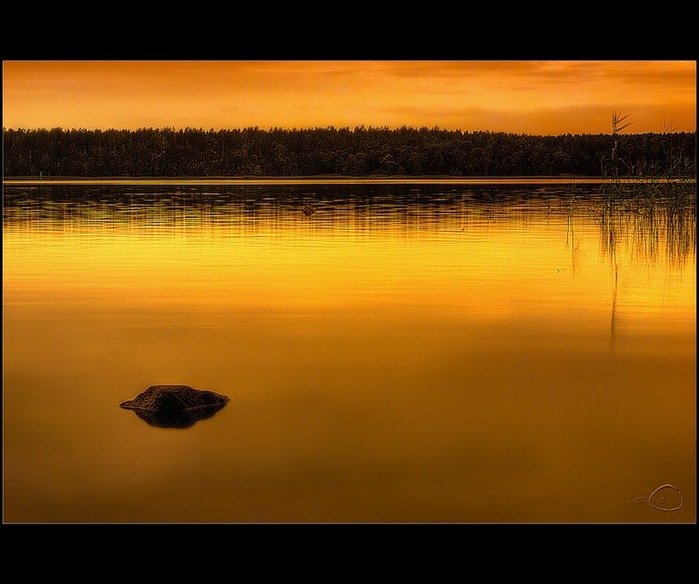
(646,221)
(251,209)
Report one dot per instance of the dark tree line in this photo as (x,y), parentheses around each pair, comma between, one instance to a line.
(343,151)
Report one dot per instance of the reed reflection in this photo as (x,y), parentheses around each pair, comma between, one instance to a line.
(646,226)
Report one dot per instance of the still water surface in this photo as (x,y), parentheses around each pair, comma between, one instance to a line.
(403,353)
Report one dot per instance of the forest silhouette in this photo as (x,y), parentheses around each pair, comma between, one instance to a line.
(362,151)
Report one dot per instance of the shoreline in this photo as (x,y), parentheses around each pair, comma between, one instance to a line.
(332,179)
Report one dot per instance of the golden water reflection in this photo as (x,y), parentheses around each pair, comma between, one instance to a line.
(404,353)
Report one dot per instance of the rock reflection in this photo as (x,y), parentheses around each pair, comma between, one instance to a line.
(175,406)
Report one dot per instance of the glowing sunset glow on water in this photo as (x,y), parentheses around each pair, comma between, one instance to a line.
(534,97)
(418,354)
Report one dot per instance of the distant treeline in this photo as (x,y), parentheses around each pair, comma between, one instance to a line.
(360,151)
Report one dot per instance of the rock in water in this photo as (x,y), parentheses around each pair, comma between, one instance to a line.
(175,406)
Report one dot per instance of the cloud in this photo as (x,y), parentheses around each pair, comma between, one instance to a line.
(517,96)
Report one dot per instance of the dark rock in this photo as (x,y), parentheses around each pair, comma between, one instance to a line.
(175,406)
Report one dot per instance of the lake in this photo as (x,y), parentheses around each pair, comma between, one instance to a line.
(407,352)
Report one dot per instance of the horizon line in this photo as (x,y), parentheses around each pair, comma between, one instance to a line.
(327,127)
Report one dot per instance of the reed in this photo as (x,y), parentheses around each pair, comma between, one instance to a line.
(651,198)
(671,182)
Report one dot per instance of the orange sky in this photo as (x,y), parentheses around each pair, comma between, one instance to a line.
(536,97)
